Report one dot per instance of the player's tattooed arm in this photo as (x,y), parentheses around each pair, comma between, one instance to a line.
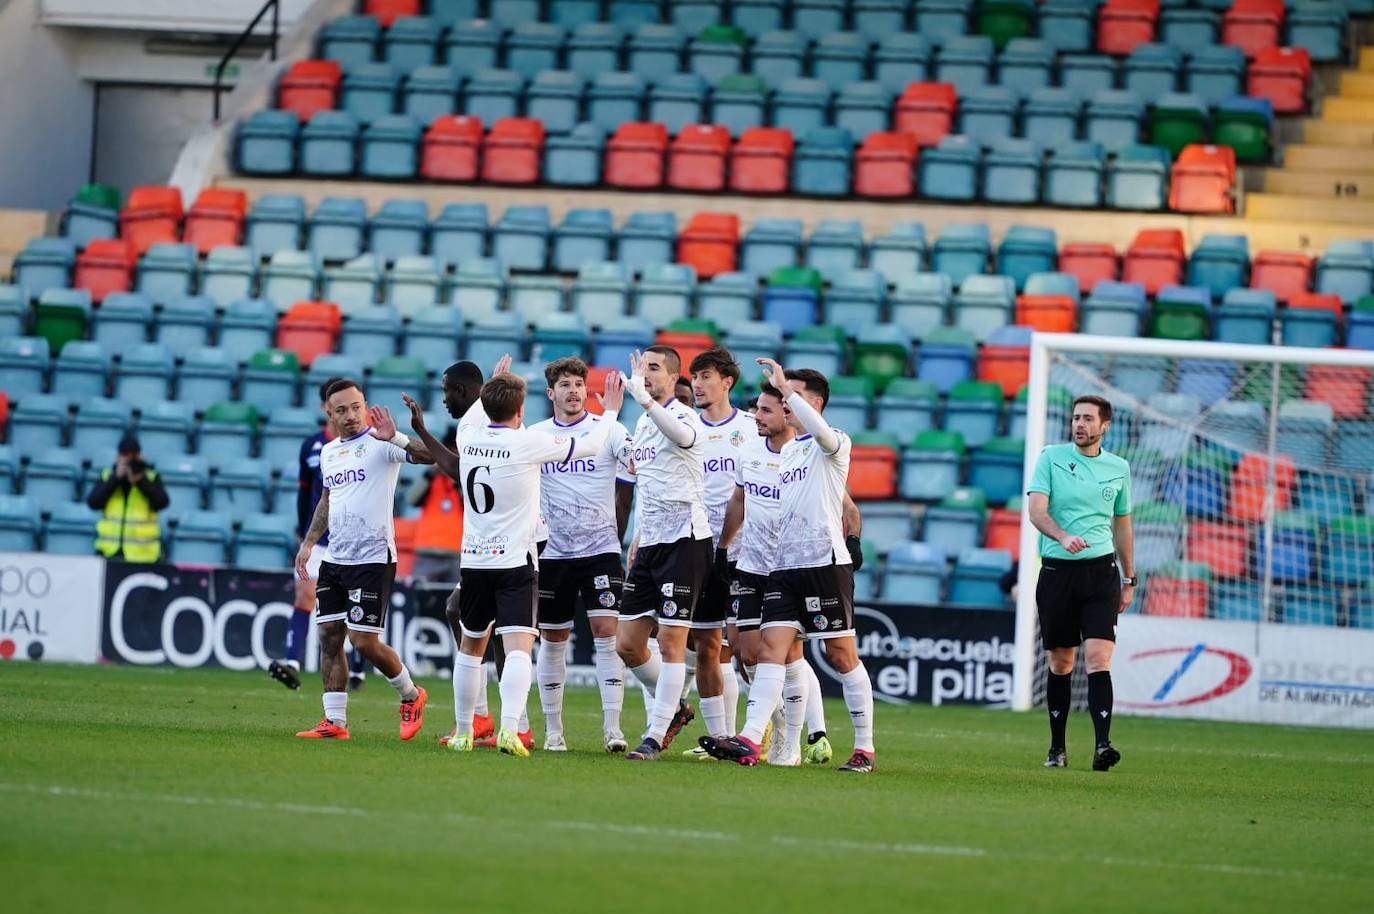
(438,454)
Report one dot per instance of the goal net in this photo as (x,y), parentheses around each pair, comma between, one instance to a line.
(1251,489)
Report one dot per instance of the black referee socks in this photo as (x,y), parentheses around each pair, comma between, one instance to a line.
(1100,703)
(1058,697)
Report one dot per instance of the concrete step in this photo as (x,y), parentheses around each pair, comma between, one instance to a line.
(1336,159)
(1330,133)
(1295,207)
(1357,84)
(1349,110)
(1349,186)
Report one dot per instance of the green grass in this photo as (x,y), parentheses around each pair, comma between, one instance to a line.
(152,790)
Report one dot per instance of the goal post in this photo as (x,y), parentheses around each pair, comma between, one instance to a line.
(1251,477)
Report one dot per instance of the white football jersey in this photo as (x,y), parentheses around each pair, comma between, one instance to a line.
(359,476)
(720,465)
(669,492)
(577,496)
(500,485)
(756,544)
(811,525)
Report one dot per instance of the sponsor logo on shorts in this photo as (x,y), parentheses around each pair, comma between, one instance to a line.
(546,594)
(734,606)
(369,595)
(819,622)
(669,608)
(601,581)
(355,614)
(813,604)
(667,589)
(606,599)
(771,595)
(355,595)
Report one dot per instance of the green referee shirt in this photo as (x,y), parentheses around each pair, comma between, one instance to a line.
(1085,493)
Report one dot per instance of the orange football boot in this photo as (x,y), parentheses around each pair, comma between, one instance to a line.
(413,714)
(325,729)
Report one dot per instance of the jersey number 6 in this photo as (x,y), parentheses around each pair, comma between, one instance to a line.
(474,487)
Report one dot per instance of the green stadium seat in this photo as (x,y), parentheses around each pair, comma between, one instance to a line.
(270,379)
(881,354)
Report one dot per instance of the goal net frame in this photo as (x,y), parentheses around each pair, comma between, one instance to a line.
(1044,347)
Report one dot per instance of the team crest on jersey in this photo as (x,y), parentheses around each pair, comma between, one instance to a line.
(361,449)
(355,595)
(601,581)
(819,622)
(737,438)
(813,604)
(1108,493)
(606,599)
(355,614)
(669,608)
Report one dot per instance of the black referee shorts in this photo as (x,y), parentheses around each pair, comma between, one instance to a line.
(1077,599)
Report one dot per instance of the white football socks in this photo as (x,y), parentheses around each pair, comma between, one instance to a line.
(764,695)
(730,696)
(794,703)
(815,707)
(666,699)
(858,697)
(482,709)
(469,677)
(515,690)
(553,669)
(713,712)
(402,684)
(336,708)
(689,679)
(610,677)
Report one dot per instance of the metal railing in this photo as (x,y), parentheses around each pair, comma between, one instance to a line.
(275,7)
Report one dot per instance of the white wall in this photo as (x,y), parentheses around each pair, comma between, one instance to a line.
(45,112)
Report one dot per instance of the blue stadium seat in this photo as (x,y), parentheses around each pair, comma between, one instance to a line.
(511,13)
(946,357)
(855,299)
(495,335)
(1073,176)
(459,234)
(988,113)
(82,370)
(965,61)
(1189,29)
(266,145)
(738,102)
(1209,381)
(901,58)
(336,229)
(574,159)
(434,335)
(121,321)
(594,47)
(1245,316)
(834,247)
(996,468)
(1219,263)
(776,55)
(285,429)
(1320,28)
(907,407)
(353,285)
(818,348)
(99,425)
(863,107)
(70,530)
(479,287)
(653,52)
(265,541)
(275,222)
(678,100)
(750,340)
(792,307)
(532,47)
(328,144)
(876,19)
(631,13)
(185,477)
(921,302)
(206,376)
(817,18)
(1215,73)
(248,325)
(555,100)
(18,523)
(1346,269)
(1069,25)
(53,476)
(411,41)
(390,147)
(665,292)
(371,334)
(558,334)
(520,238)
(325,366)
(38,423)
(647,237)
(9,469)
(1026,250)
(801,105)
(412,284)
(492,94)
(44,264)
(1051,116)
(983,304)
(1139,178)
(583,235)
(200,538)
(900,251)
(84,221)
(728,298)
(974,410)
(1114,118)
(1026,65)
(228,274)
(14,310)
(144,374)
(950,170)
(1087,74)
(369,90)
(941,20)
(1113,309)
(886,523)
(620,337)
(351,40)
(957,522)
(1237,424)
(1053,283)
(1011,172)
(398,229)
(977,577)
(473,45)
(960,250)
(914,574)
(769,244)
(756,16)
(712,52)
(1305,426)
(531,296)
(1152,70)
(839,58)
(615,98)
(823,162)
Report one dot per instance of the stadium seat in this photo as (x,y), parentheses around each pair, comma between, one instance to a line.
(716,50)
(1345,558)
(167,271)
(1026,64)
(104,267)
(977,578)
(1152,70)
(984,303)
(472,45)
(956,523)
(265,541)
(186,477)
(531,296)
(1051,116)
(931,465)
(820,347)
(996,468)
(1026,250)
(950,170)
(266,145)
(863,107)
(988,113)
(708,243)
(309,329)
(390,147)
(771,244)
(1089,262)
(270,379)
(53,476)
(45,263)
(395,374)
(512,151)
(960,250)
(450,150)
(200,538)
(738,102)
(70,529)
(1281,75)
(654,51)
(1011,172)
(965,61)
(164,427)
(371,334)
(434,336)
(493,94)
(697,158)
(1087,74)
(583,235)
(1243,125)
(946,357)
(760,161)
(817,18)
(1319,28)
(369,90)
(914,573)
(926,110)
(1181,313)
(635,155)
(881,353)
(907,407)
(592,47)
(478,287)
(1252,25)
(1113,309)
(274,223)
(19,526)
(900,59)
(328,145)
(1073,175)
(1360,329)
(309,86)
(750,340)
(532,47)
(1123,25)
(1346,269)
(286,427)
(855,299)
(1282,273)
(82,370)
(823,162)
(227,432)
(851,400)
(838,58)
(14,311)
(791,297)
(1114,118)
(215,218)
(664,293)
(1215,73)
(1219,263)
(1250,486)
(1295,548)
(38,422)
(94,213)
(1245,316)
(1202,179)
(873,465)
(520,238)
(901,251)
(1154,259)
(677,101)
(886,523)
(1311,319)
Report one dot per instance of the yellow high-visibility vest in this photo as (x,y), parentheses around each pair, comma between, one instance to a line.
(129,524)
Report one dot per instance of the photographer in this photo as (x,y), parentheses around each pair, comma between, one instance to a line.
(130,495)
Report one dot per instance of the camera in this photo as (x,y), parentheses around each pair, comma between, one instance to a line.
(138,466)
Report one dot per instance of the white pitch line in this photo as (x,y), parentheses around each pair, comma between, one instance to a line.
(656,831)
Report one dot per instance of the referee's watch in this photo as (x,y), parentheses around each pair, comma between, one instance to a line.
(1129,582)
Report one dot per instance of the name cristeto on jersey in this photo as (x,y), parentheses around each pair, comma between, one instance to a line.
(720,465)
(811,525)
(757,540)
(669,490)
(577,496)
(359,476)
(500,470)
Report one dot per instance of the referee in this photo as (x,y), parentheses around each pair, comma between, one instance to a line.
(1080,501)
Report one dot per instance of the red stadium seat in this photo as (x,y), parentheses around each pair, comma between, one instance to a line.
(310,86)
(451,148)
(107,265)
(872,472)
(1250,484)
(1252,25)
(151,216)
(1282,273)
(1179,597)
(1004,531)
(696,158)
(309,329)
(1281,75)
(388,11)
(1202,179)
(926,112)
(1344,387)
(1049,313)
(513,150)
(4,413)
(761,161)
(709,244)
(1221,547)
(405,529)
(1091,262)
(634,155)
(1154,259)
(1122,25)
(216,218)
(885,165)
(596,380)
(688,345)
(1006,366)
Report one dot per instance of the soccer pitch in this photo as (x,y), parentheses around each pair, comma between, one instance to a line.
(154,790)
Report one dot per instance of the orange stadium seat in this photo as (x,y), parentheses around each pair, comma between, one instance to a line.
(310,86)
(309,329)
(1345,388)
(709,244)
(1202,180)
(696,157)
(634,155)
(872,472)
(1006,366)
(1178,597)
(152,216)
(1221,547)
(761,160)
(1004,531)
(1090,262)
(1048,313)
(926,112)
(885,165)
(451,148)
(688,345)
(1250,482)
(107,265)
(512,151)
(596,380)
(216,218)
(405,529)
(1282,273)
(1154,259)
